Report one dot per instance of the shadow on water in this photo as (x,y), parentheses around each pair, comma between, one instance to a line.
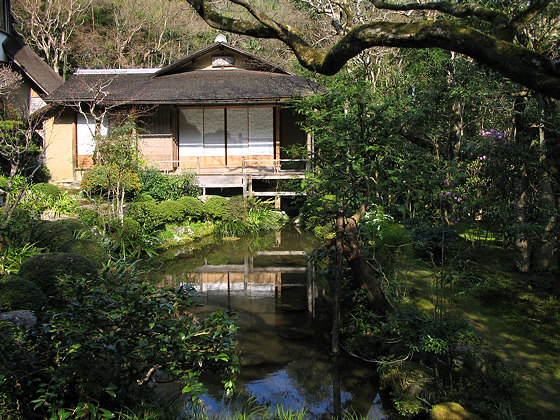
(283,343)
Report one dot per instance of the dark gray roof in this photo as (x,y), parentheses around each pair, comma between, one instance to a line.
(45,78)
(187,88)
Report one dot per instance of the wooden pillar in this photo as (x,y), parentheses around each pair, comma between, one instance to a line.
(277,202)
(277,132)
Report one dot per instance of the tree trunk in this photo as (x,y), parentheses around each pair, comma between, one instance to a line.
(361,270)
(543,249)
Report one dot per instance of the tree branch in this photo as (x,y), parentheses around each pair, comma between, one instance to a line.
(454,9)
(519,64)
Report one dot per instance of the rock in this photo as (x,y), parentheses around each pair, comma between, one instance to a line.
(451,411)
(24,318)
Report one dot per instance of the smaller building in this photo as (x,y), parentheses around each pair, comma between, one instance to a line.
(38,79)
(220,112)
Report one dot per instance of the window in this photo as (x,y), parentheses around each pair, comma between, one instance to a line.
(249,131)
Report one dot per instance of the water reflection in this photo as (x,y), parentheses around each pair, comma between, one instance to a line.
(283,344)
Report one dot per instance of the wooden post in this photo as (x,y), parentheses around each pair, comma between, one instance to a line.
(277,202)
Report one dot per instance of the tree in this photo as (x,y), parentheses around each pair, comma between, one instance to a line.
(49,25)
(497,38)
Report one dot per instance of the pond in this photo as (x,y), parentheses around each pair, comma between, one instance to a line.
(283,327)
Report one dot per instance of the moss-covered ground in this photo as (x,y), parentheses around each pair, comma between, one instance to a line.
(518,315)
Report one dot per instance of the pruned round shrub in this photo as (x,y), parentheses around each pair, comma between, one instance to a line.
(168,187)
(148,214)
(76,226)
(47,190)
(144,197)
(99,180)
(193,207)
(215,208)
(88,248)
(18,293)
(50,235)
(172,211)
(45,269)
(237,208)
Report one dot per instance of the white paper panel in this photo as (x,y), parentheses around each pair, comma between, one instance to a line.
(261,131)
(238,131)
(86,132)
(190,132)
(214,132)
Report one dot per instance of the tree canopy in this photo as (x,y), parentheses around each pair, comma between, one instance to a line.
(517,39)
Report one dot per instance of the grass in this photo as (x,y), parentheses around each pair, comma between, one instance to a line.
(518,315)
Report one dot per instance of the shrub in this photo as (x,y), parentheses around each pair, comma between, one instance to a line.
(89,216)
(18,293)
(193,207)
(11,257)
(435,242)
(168,187)
(172,211)
(47,190)
(19,228)
(143,198)
(98,181)
(215,208)
(87,248)
(237,208)
(76,226)
(50,235)
(45,269)
(148,214)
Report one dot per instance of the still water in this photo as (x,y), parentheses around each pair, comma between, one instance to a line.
(283,325)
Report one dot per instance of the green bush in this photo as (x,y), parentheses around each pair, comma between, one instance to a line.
(47,190)
(148,214)
(89,216)
(193,207)
(76,226)
(168,187)
(19,228)
(50,235)
(17,293)
(88,248)
(99,180)
(237,208)
(45,269)
(436,242)
(130,228)
(172,211)
(215,208)
(99,346)
(144,197)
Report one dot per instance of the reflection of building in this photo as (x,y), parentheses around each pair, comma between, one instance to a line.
(257,277)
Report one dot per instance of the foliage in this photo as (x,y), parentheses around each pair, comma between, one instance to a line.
(172,211)
(436,243)
(47,270)
(17,293)
(12,256)
(39,201)
(237,208)
(148,214)
(126,329)
(168,187)
(89,216)
(76,226)
(19,151)
(98,180)
(47,190)
(215,208)
(88,248)
(193,207)
(50,235)
(132,241)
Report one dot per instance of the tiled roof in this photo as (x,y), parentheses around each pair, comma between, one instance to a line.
(46,79)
